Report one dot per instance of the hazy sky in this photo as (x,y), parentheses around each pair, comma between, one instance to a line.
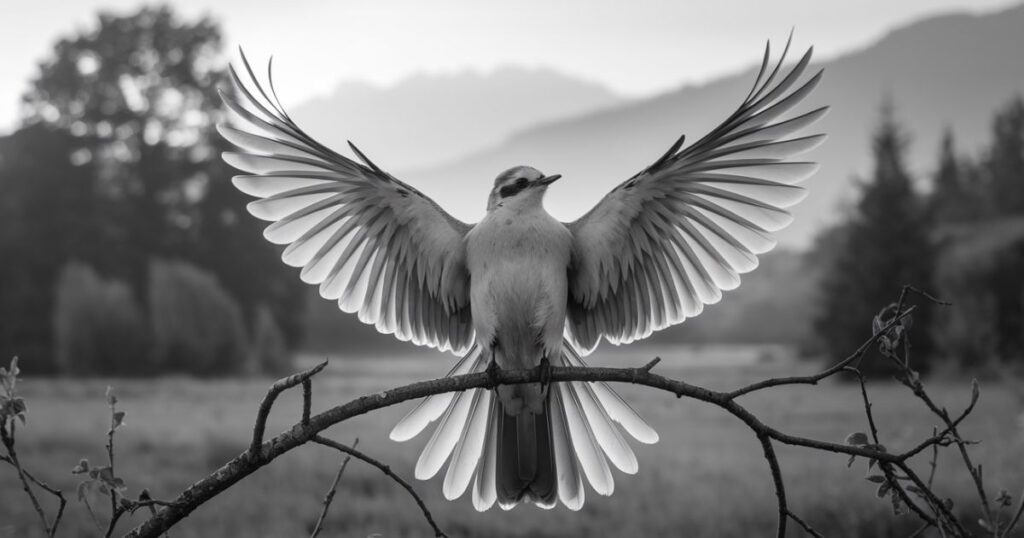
(635,48)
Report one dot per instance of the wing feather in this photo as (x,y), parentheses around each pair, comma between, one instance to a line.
(673,237)
(377,246)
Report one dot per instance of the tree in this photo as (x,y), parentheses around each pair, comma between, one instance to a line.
(885,245)
(956,196)
(47,217)
(1005,162)
(133,104)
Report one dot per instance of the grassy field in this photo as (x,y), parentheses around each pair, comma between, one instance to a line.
(705,478)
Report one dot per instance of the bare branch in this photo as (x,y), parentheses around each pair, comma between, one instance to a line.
(780,487)
(329,497)
(438,533)
(1016,516)
(252,460)
(268,401)
(12,458)
(807,528)
(834,369)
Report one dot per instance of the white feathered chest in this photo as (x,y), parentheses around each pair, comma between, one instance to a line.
(517,258)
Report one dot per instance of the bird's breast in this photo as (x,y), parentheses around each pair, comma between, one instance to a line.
(518,273)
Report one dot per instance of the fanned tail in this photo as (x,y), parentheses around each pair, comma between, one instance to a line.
(541,458)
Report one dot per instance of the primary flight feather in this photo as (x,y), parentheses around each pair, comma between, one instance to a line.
(520,288)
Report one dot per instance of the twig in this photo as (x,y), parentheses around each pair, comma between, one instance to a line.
(1016,516)
(330,493)
(56,493)
(815,378)
(268,402)
(386,470)
(307,398)
(12,459)
(807,528)
(780,487)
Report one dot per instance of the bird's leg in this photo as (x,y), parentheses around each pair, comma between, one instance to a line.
(545,374)
(492,366)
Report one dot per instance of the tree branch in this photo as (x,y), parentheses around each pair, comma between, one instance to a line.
(254,459)
(268,402)
(329,497)
(386,470)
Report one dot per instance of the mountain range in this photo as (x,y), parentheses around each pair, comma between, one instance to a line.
(425,120)
(950,70)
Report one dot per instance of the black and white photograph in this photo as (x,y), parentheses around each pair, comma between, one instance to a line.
(455,268)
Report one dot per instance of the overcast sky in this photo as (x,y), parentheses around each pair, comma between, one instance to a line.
(636,48)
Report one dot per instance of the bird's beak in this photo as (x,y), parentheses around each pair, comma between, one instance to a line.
(547,180)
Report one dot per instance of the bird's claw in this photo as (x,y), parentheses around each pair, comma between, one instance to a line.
(545,373)
(492,373)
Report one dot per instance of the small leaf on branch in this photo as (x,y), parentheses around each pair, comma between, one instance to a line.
(81,490)
(877,479)
(111,398)
(118,419)
(883,490)
(897,505)
(82,467)
(849,463)
(857,439)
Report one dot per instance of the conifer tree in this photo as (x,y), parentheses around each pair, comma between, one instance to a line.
(886,246)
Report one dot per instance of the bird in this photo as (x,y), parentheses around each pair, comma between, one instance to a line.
(521,289)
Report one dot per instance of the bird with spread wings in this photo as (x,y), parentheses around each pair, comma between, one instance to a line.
(521,289)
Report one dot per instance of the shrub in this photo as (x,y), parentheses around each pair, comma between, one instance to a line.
(197,327)
(268,353)
(98,326)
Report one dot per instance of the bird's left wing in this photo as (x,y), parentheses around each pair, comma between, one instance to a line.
(663,244)
(379,247)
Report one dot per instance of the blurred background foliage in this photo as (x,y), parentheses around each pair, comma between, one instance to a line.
(125,250)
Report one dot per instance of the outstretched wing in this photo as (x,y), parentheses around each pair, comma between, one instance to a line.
(669,240)
(374,244)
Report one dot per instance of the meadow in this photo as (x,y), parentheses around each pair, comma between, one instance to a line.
(706,477)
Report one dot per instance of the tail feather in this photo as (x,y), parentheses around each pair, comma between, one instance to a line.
(470,446)
(431,407)
(588,453)
(617,408)
(604,430)
(445,437)
(570,483)
(537,457)
(485,490)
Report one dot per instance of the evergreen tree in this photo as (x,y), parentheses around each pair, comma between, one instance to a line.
(955,198)
(1005,162)
(886,245)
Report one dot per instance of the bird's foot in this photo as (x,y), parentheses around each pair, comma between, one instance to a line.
(492,372)
(545,374)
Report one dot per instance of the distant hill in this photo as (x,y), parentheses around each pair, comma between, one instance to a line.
(947,70)
(429,119)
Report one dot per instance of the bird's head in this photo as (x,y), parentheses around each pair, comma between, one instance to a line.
(521,185)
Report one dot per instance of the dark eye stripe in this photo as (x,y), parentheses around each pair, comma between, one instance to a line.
(509,190)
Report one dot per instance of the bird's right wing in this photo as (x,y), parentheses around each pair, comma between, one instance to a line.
(666,242)
(376,245)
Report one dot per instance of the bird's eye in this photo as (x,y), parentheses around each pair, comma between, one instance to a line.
(521,182)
